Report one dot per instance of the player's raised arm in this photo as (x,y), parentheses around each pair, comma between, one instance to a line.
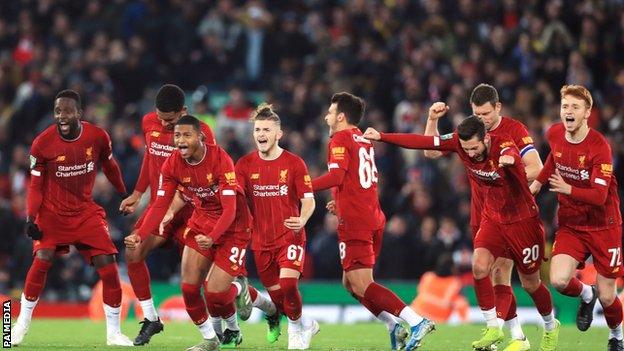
(414,141)
(436,111)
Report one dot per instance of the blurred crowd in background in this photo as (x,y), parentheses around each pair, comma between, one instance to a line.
(399,55)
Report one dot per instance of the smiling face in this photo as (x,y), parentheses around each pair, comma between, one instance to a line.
(67,116)
(187,139)
(574,113)
(266,134)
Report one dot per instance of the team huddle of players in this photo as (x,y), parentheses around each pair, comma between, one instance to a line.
(212,208)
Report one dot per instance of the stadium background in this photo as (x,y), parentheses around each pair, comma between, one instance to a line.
(229,55)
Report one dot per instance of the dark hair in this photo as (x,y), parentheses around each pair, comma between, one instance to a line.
(351,105)
(470,127)
(170,98)
(264,112)
(189,120)
(484,93)
(70,94)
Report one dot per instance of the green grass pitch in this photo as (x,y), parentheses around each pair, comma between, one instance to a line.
(56,334)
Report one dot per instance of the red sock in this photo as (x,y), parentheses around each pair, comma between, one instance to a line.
(485,293)
(292,298)
(574,288)
(140,280)
(542,299)
(375,310)
(277,296)
(253,293)
(505,302)
(111,287)
(35,279)
(195,306)
(613,313)
(384,299)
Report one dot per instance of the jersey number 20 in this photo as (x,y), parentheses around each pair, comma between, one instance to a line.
(368,170)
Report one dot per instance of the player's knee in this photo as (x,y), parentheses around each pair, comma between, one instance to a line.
(606,299)
(100,261)
(289,285)
(559,282)
(530,285)
(480,269)
(190,289)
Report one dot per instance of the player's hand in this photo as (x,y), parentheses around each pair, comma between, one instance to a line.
(32,230)
(558,185)
(129,204)
(204,241)
(535,187)
(331,207)
(132,241)
(294,223)
(372,134)
(506,160)
(437,110)
(166,219)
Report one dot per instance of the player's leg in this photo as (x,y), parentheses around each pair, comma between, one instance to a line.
(505,299)
(194,270)
(267,266)
(111,297)
(606,250)
(140,281)
(569,250)
(612,307)
(35,281)
(482,262)
(542,299)
(220,295)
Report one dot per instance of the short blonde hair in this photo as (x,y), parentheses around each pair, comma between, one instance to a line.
(579,92)
(264,112)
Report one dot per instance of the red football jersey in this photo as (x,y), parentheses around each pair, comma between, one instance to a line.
(588,167)
(68,167)
(505,191)
(274,189)
(207,181)
(159,146)
(520,136)
(357,201)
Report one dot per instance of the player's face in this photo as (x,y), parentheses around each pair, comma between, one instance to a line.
(488,114)
(266,134)
(332,118)
(574,113)
(169,119)
(67,116)
(187,139)
(475,148)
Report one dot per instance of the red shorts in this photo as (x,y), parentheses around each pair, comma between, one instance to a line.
(522,242)
(88,232)
(228,254)
(605,246)
(175,229)
(359,253)
(269,262)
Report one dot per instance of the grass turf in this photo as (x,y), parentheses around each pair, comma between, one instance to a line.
(56,334)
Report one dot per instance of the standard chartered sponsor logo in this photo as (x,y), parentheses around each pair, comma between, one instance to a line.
(493,175)
(270,190)
(74,170)
(162,150)
(572,173)
(202,192)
